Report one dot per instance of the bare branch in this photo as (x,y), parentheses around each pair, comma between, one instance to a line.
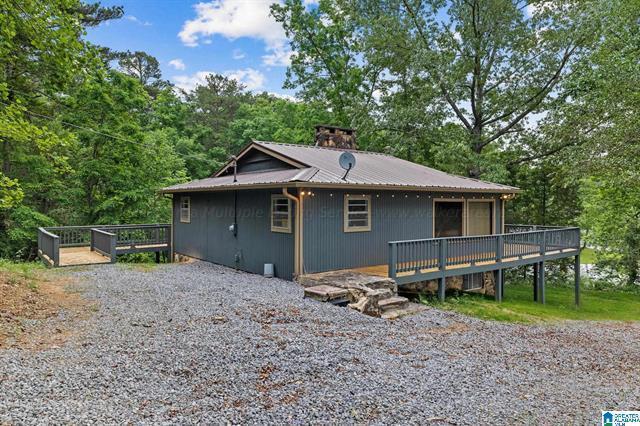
(533,101)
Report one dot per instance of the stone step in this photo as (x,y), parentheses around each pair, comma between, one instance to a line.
(408,309)
(327,293)
(393,302)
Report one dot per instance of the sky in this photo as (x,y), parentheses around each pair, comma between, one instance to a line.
(190,39)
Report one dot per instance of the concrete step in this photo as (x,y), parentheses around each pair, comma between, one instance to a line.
(393,302)
(408,309)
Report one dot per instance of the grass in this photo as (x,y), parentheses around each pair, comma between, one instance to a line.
(518,305)
(15,272)
(140,267)
(587,256)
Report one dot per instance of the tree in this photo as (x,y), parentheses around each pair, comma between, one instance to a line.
(120,164)
(143,67)
(488,63)
(41,51)
(601,127)
(213,106)
(272,119)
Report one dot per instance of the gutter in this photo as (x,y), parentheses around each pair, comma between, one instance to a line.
(358,187)
(298,266)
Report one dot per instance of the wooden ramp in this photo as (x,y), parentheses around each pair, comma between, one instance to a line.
(70,256)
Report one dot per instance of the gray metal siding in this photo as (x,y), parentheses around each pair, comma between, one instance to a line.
(259,161)
(207,236)
(395,215)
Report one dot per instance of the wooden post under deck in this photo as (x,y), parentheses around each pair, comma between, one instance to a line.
(535,282)
(576,271)
(499,285)
(542,295)
(442,281)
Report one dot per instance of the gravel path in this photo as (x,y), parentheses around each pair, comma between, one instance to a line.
(196,342)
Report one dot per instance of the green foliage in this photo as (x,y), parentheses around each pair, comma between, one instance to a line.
(518,305)
(271,119)
(612,216)
(20,239)
(545,101)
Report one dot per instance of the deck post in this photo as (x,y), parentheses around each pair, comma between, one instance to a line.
(535,281)
(393,260)
(499,285)
(113,241)
(541,284)
(543,243)
(442,283)
(499,293)
(576,271)
(56,251)
(157,257)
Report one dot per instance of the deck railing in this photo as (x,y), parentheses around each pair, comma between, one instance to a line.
(108,240)
(104,243)
(49,247)
(80,236)
(428,258)
(135,236)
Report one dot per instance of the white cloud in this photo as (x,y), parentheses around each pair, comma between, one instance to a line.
(251,78)
(238,54)
(235,19)
(284,96)
(177,64)
(279,56)
(137,21)
(189,82)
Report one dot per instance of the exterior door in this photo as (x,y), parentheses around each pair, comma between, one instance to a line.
(448,219)
(479,218)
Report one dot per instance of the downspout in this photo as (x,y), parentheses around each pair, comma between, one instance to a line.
(298,266)
(171,253)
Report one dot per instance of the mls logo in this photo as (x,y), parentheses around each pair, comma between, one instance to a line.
(607,418)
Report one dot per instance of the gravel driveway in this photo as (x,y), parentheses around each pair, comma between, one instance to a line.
(187,343)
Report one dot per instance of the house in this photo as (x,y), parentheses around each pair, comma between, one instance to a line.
(297,208)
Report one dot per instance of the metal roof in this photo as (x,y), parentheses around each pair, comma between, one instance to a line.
(374,170)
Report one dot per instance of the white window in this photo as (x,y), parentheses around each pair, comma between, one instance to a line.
(185,209)
(280,214)
(357,213)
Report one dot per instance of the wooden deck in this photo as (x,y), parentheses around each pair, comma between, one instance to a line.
(96,244)
(70,256)
(383,270)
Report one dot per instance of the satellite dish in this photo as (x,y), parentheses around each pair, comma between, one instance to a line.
(347,161)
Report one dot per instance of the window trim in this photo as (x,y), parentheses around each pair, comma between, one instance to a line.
(188,209)
(282,229)
(345,214)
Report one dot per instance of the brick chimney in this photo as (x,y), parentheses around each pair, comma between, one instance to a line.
(335,137)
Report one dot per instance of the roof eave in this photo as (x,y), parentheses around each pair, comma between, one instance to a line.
(509,190)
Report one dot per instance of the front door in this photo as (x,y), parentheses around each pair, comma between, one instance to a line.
(448,219)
